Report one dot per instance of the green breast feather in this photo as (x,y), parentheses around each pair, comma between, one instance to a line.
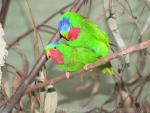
(75,58)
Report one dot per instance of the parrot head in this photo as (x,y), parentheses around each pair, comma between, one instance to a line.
(66,31)
(54,53)
(64,26)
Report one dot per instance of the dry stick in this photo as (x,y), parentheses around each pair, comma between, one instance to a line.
(3,12)
(146,25)
(46,31)
(142,84)
(75,3)
(36,44)
(25,60)
(130,9)
(135,48)
(20,74)
(23,86)
(112,24)
(49,27)
(140,68)
(38,26)
(136,22)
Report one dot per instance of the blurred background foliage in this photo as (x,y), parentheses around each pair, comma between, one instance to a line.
(130,15)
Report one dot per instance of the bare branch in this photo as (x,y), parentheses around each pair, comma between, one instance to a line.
(3,12)
(112,24)
(36,38)
(135,48)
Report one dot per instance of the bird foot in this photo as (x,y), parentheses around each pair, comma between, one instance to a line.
(67,75)
(86,67)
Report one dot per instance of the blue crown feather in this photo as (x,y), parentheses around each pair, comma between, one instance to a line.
(64,25)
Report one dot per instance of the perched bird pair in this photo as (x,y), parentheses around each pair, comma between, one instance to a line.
(70,58)
(85,44)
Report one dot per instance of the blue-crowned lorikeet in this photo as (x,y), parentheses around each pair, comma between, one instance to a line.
(81,32)
(70,58)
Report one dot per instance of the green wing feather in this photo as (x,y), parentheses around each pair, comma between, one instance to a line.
(75,58)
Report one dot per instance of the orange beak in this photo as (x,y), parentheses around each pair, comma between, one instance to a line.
(48,54)
(67,37)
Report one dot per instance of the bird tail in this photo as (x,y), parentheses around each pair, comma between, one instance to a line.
(107,69)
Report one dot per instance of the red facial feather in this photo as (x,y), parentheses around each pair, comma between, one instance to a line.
(73,33)
(57,56)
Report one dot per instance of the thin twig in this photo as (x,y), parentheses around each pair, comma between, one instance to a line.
(49,27)
(112,24)
(36,42)
(21,75)
(3,12)
(130,9)
(147,24)
(47,31)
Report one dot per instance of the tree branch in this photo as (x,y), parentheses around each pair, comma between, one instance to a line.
(132,49)
(3,12)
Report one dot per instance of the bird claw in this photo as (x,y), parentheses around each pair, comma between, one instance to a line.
(67,75)
(86,67)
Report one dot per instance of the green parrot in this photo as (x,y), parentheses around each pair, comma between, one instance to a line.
(69,58)
(80,32)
